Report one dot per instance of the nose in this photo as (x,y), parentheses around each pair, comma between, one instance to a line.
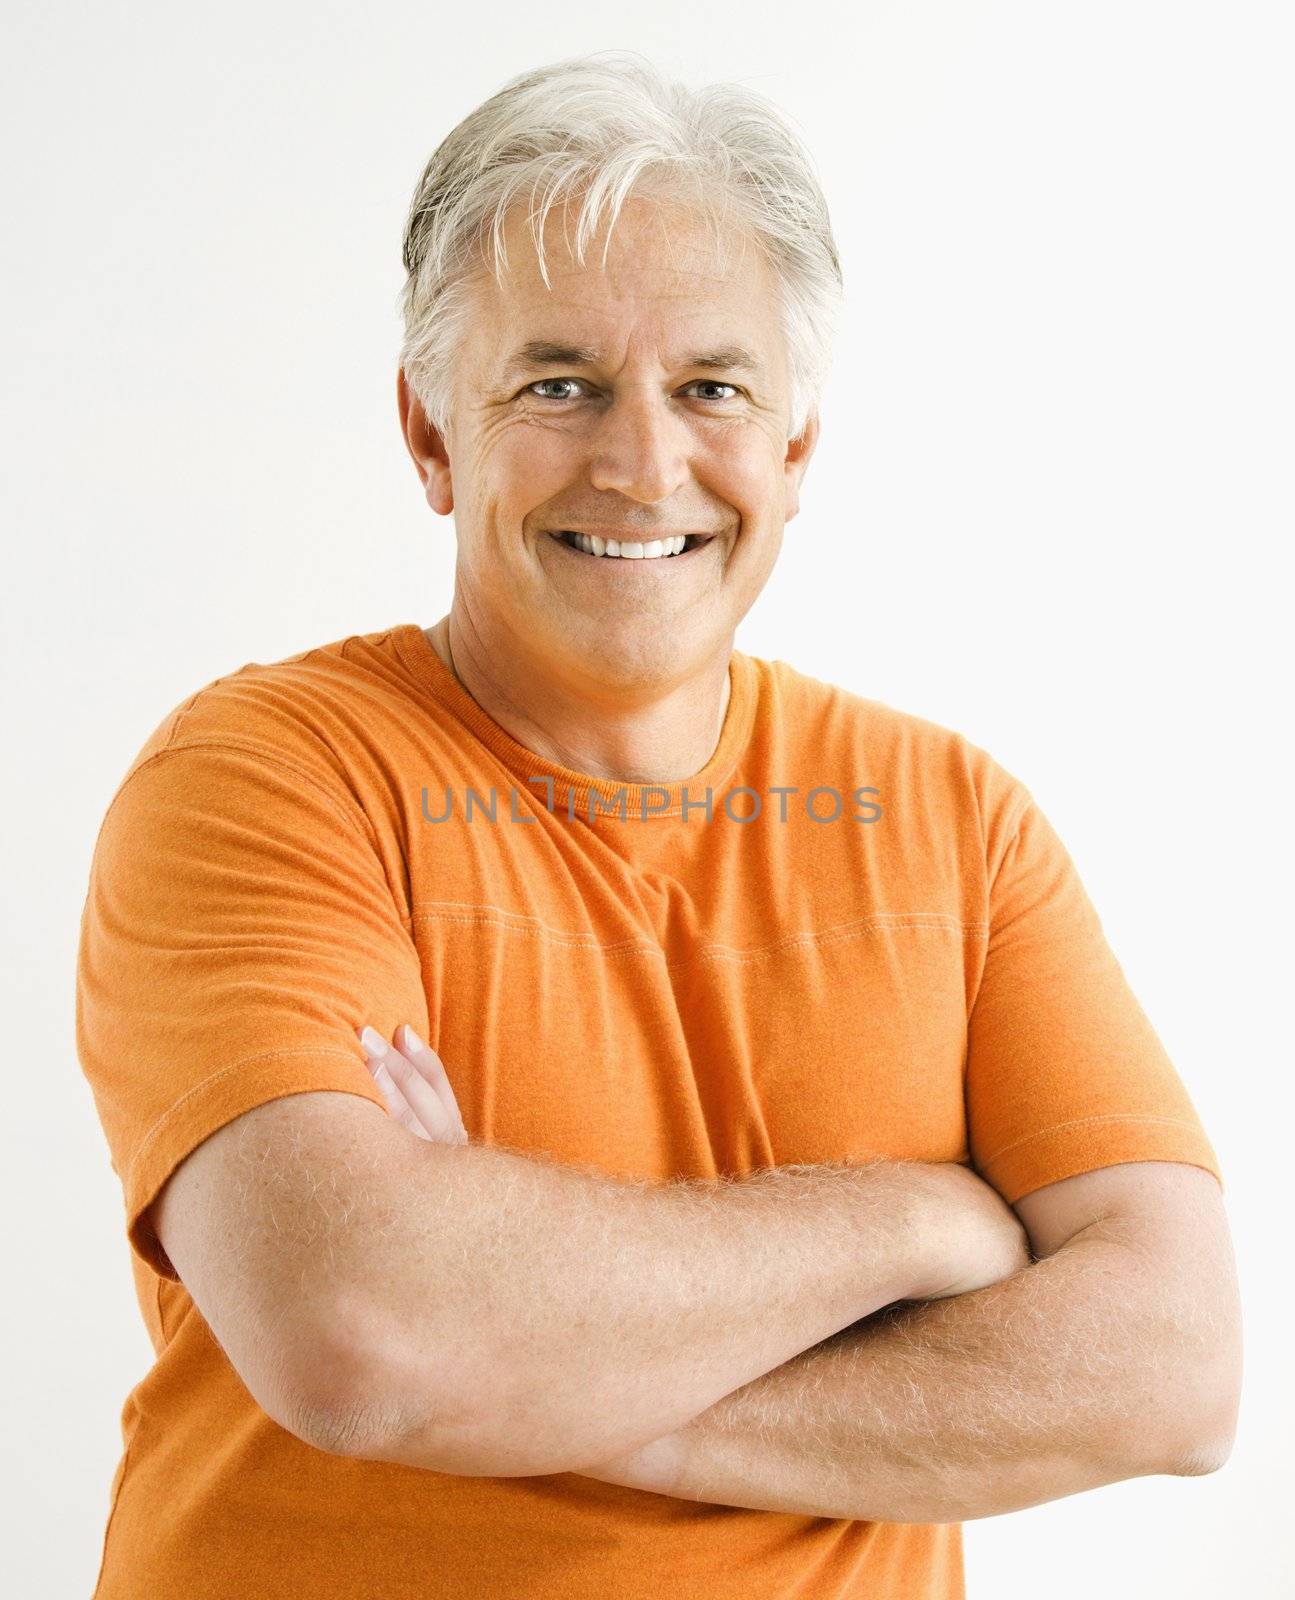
(640,449)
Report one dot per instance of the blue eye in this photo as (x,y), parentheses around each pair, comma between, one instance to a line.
(714,383)
(709,383)
(539,381)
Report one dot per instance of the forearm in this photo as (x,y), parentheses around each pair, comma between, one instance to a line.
(608,1313)
(1056,1380)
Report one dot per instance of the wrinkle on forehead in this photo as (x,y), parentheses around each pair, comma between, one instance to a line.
(650,204)
(691,274)
(671,287)
(699,239)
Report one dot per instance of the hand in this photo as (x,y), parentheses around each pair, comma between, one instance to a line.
(978,1239)
(415,1086)
(418,1095)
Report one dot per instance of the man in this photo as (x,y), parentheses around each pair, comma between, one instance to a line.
(769,1167)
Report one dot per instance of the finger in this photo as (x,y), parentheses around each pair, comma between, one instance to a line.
(426,1060)
(417,1101)
(421,1098)
(397,1106)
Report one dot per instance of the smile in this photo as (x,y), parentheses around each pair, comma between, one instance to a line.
(590,544)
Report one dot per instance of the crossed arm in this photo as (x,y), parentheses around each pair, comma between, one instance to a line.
(1116,1353)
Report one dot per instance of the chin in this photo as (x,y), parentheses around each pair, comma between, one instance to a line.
(630,654)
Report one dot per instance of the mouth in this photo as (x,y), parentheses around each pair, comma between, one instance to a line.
(675,548)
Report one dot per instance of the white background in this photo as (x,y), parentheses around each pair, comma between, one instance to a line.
(1050,508)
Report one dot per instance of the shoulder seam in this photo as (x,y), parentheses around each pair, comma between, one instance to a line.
(171,749)
(1012,836)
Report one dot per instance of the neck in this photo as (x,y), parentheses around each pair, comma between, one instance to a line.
(656,736)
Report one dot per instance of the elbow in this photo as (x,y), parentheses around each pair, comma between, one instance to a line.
(374,1382)
(398,1404)
(362,1416)
(1209,1448)
(311,1389)
(339,1429)
(336,1383)
(339,1401)
(1209,1457)
(460,1446)
(1208,1445)
(1199,1435)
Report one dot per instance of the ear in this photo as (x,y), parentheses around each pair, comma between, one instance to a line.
(798,453)
(426,448)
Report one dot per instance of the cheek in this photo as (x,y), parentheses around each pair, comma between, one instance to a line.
(743,471)
(523,467)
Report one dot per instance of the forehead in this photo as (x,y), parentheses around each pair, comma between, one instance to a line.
(661,268)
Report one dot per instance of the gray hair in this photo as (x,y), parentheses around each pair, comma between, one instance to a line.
(597,130)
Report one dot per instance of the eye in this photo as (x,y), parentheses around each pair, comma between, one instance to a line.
(530,388)
(706,383)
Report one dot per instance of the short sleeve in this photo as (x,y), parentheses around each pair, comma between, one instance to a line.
(1064,1071)
(238,929)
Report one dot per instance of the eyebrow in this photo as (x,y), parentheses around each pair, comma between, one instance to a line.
(550,353)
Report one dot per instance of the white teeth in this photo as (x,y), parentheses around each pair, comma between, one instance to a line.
(593,545)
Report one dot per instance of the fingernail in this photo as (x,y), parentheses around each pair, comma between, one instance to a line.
(374,1044)
(414,1039)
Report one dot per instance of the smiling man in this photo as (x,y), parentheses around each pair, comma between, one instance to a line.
(789,1173)
(618,463)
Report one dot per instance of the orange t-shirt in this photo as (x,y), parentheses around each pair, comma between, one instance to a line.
(914,970)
